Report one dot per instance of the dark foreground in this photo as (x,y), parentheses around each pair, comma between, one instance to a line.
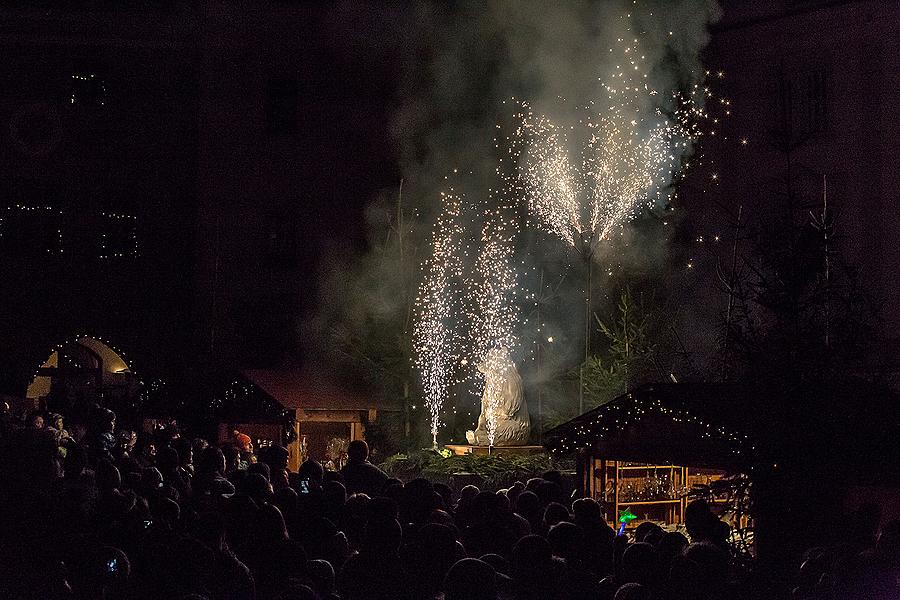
(93,514)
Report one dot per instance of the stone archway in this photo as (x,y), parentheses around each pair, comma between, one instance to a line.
(85,367)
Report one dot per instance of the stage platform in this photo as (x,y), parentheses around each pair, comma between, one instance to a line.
(463,449)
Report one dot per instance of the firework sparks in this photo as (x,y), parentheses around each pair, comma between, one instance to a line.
(434,333)
(493,292)
(579,182)
(467,309)
(628,155)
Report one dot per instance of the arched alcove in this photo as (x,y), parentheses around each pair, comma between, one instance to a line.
(85,360)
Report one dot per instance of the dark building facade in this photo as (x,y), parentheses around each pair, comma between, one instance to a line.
(98,170)
(814,86)
(168,172)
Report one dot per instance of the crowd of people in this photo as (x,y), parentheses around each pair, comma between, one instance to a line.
(91,511)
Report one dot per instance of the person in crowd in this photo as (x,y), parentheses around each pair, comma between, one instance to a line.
(244,445)
(35,420)
(186,521)
(361,476)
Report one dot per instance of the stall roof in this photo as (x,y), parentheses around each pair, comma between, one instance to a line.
(685,421)
(295,388)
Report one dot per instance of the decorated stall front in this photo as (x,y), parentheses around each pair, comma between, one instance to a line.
(311,417)
(647,453)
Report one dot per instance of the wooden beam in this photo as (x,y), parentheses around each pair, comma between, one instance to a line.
(294,457)
(329,416)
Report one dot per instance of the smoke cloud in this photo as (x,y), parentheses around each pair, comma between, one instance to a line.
(460,63)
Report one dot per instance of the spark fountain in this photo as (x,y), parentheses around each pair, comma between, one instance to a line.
(435,333)
(581,183)
(628,150)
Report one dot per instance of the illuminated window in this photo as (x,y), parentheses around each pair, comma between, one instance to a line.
(118,236)
(87,90)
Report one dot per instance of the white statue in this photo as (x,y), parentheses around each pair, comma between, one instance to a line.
(504,415)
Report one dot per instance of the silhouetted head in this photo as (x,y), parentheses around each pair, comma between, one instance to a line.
(532,559)
(357,451)
(641,565)
(261,468)
(380,507)
(643,529)
(107,476)
(211,461)
(468,493)
(529,506)
(555,513)
(632,591)
(567,541)
(548,492)
(335,493)
(670,545)
(470,579)
(105,420)
(554,476)
(321,574)
(270,526)
(286,501)
(166,512)
(699,521)
(256,487)
(500,564)
(275,456)
(209,528)
(185,450)
(312,471)
(167,460)
(75,461)
(382,536)
(587,512)
(712,562)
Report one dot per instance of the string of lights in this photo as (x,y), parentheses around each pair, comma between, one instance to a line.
(629,409)
(108,250)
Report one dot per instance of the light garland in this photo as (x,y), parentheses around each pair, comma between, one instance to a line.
(133,252)
(77,340)
(91,77)
(583,435)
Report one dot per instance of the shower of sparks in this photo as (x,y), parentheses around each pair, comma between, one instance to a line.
(493,291)
(467,309)
(627,152)
(434,333)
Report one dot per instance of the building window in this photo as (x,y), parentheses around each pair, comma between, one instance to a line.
(281,106)
(118,236)
(87,90)
(801,104)
(33,230)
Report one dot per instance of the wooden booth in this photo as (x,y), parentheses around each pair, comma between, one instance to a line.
(317,418)
(643,452)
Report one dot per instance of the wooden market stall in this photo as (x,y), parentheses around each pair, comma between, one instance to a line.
(645,451)
(315,418)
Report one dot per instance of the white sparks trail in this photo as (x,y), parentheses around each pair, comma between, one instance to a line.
(466,310)
(496,319)
(579,182)
(435,334)
(628,153)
